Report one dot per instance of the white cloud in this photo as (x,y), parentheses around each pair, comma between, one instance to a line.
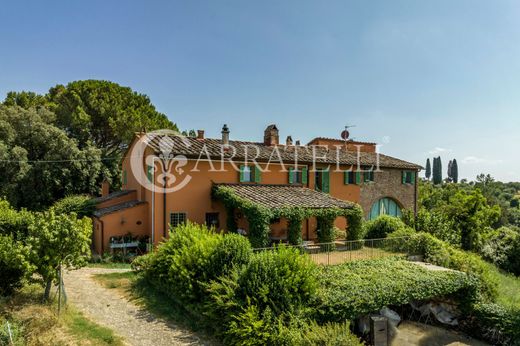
(469,160)
(439,150)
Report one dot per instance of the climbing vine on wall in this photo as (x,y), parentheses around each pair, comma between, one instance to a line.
(259,219)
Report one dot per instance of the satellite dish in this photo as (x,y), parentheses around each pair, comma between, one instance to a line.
(345,134)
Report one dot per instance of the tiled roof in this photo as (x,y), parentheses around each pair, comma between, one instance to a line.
(117,207)
(112,195)
(341,140)
(279,196)
(193,147)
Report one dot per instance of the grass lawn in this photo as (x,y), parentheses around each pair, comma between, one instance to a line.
(34,323)
(141,293)
(109,265)
(508,287)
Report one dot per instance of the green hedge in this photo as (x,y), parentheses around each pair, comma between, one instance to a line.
(353,289)
(382,226)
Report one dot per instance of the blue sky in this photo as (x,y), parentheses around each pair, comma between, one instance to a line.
(422,78)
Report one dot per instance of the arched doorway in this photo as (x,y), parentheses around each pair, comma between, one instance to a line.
(384,206)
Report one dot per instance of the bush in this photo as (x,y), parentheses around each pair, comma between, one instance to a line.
(340,234)
(502,248)
(14,264)
(350,290)
(495,323)
(234,250)
(14,223)
(329,334)
(82,205)
(382,226)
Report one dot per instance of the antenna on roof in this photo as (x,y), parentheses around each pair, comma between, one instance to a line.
(345,134)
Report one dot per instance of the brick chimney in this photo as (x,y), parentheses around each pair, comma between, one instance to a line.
(288,141)
(225,135)
(105,188)
(200,134)
(271,135)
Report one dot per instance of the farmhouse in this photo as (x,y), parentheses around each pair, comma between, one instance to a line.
(168,179)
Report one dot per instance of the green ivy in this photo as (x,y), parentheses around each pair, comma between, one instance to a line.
(259,218)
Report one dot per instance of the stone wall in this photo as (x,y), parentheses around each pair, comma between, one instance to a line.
(388,183)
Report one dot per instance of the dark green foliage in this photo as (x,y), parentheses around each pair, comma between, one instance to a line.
(496,323)
(14,265)
(232,251)
(437,171)
(502,248)
(325,231)
(355,221)
(428,172)
(82,205)
(358,288)
(382,226)
(454,171)
(294,228)
(40,163)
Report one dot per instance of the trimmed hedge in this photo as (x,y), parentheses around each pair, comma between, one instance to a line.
(382,226)
(354,289)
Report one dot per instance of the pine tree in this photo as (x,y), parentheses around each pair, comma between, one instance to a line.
(455,171)
(428,172)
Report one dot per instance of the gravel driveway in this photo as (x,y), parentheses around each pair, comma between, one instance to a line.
(133,323)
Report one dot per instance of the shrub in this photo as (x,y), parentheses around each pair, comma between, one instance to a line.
(382,226)
(340,234)
(497,324)
(14,223)
(14,264)
(234,250)
(280,279)
(329,334)
(82,205)
(350,290)
(502,248)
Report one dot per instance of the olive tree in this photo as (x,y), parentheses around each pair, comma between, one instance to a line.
(58,241)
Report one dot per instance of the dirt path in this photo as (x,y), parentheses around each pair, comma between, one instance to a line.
(108,308)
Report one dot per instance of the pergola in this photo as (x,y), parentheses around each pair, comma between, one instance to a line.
(262,203)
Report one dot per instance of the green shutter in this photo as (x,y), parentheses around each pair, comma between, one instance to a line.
(325,181)
(358,177)
(304,175)
(124,177)
(413,177)
(241,174)
(403,175)
(291,175)
(258,174)
(346,178)
(149,173)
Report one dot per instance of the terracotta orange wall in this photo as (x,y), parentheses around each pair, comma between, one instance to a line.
(195,198)
(120,223)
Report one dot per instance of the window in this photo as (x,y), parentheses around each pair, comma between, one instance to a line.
(368,176)
(408,177)
(212,220)
(384,206)
(250,174)
(298,175)
(177,219)
(149,173)
(322,180)
(352,177)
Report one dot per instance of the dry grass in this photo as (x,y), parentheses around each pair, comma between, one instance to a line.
(33,323)
(339,257)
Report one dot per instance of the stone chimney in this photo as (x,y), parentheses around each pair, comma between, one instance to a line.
(288,141)
(271,135)
(225,135)
(105,188)
(298,142)
(200,134)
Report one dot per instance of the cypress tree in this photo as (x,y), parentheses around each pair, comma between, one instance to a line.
(437,171)
(450,177)
(455,171)
(428,172)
